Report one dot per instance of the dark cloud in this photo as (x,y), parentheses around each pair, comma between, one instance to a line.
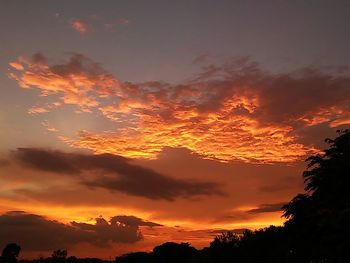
(51,161)
(237,231)
(133,221)
(288,97)
(267,208)
(239,216)
(35,232)
(302,95)
(115,173)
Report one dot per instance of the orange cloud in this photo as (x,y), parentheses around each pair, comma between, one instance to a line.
(16,65)
(79,25)
(48,126)
(212,136)
(79,81)
(341,121)
(46,108)
(37,110)
(232,112)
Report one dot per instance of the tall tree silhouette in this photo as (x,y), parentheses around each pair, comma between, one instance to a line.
(10,253)
(318,220)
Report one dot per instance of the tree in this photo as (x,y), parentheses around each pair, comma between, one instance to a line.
(59,255)
(173,252)
(224,246)
(10,253)
(318,220)
(136,257)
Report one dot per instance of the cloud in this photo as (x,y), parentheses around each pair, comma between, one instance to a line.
(79,26)
(16,65)
(95,23)
(35,232)
(118,174)
(48,126)
(267,208)
(48,107)
(37,110)
(238,231)
(341,121)
(234,111)
(133,221)
(79,81)
(240,215)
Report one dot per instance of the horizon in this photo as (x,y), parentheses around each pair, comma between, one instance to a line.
(125,124)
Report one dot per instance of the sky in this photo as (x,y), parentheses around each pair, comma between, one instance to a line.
(126,124)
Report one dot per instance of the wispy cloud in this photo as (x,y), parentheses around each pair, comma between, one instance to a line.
(37,110)
(97,23)
(48,126)
(267,208)
(79,26)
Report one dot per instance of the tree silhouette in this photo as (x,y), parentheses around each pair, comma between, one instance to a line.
(10,253)
(173,252)
(136,257)
(59,255)
(318,221)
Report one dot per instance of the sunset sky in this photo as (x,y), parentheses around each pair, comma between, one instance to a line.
(126,124)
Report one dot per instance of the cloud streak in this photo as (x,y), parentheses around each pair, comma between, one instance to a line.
(35,232)
(267,208)
(114,173)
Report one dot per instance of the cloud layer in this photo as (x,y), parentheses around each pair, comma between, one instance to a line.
(235,111)
(35,232)
(114,173)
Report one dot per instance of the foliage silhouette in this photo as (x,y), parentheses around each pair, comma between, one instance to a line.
(318,221)
(137,257)
(10,253)
(59,255)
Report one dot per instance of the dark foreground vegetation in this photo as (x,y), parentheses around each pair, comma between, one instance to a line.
(317,227)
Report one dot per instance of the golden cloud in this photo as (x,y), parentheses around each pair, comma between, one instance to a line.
(232,112)
(79,81)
